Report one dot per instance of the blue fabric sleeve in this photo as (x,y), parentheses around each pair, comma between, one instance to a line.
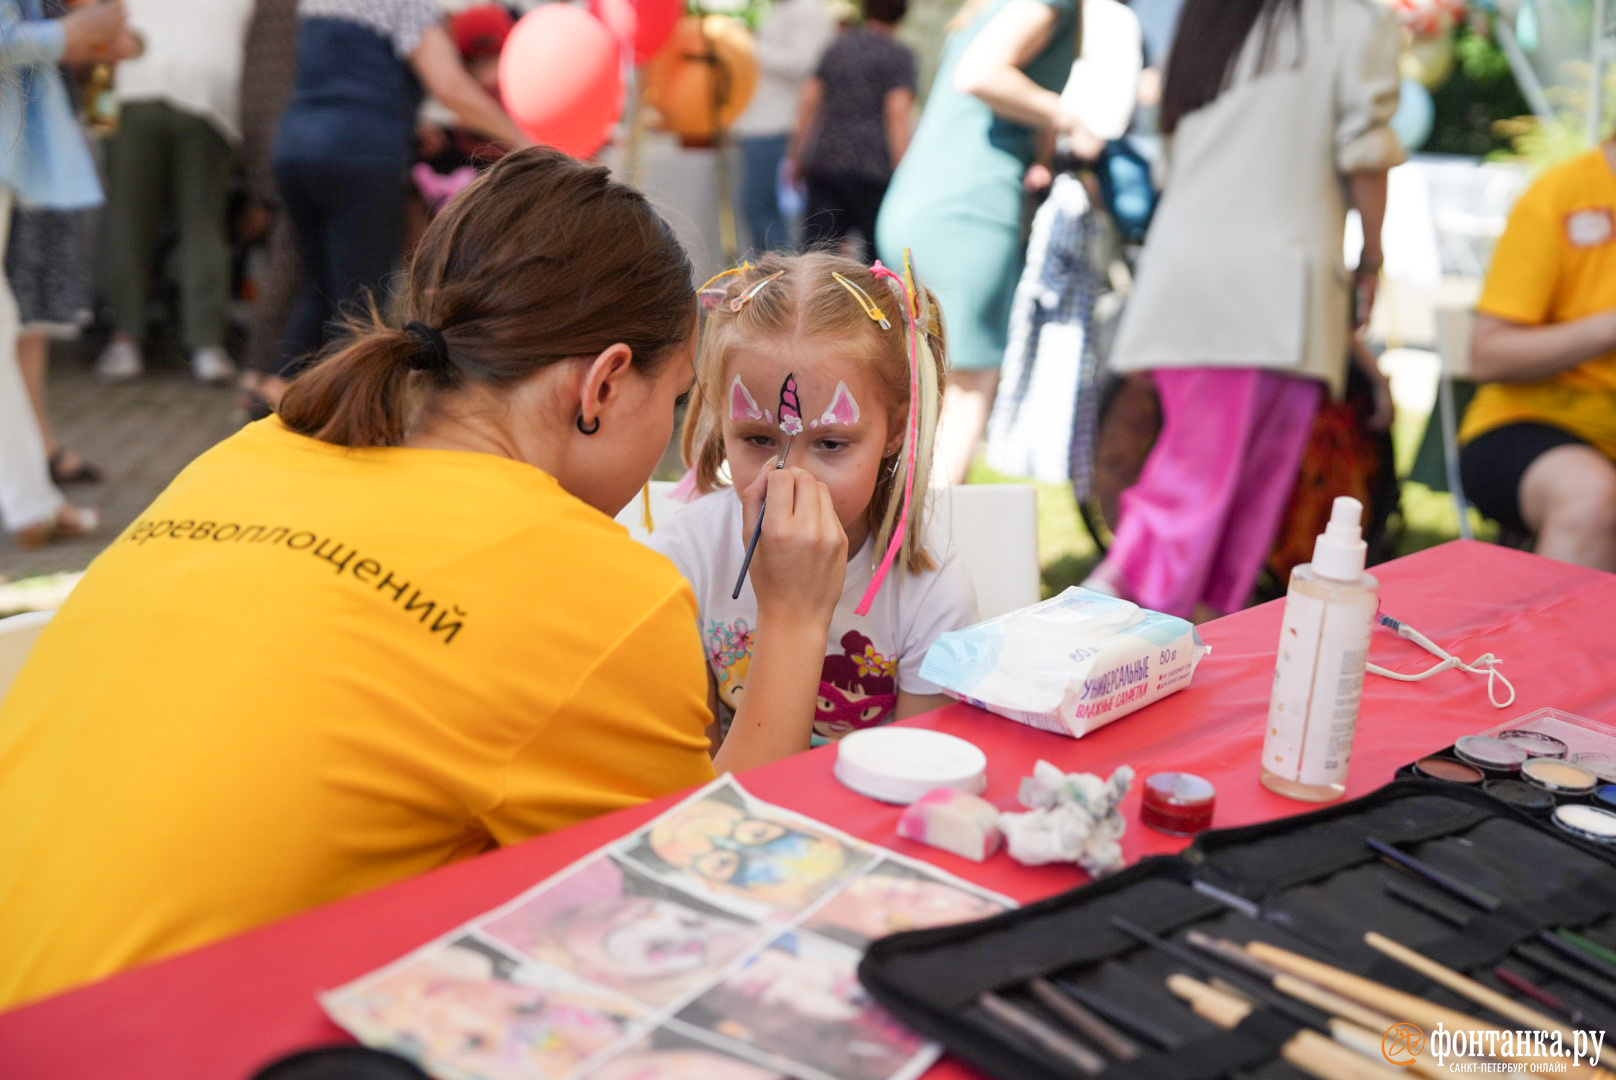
(30,42)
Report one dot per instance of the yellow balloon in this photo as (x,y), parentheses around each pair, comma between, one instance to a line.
(1429,61)
(708,70)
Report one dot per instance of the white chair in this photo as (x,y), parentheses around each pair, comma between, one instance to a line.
(17,636)
(991,528)
(1453,330)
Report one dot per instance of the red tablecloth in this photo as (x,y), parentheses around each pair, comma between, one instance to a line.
(223,1010)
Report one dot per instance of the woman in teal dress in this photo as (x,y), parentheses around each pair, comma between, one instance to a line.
(956,198)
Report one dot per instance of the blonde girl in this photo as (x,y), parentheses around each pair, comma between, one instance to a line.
(837,368)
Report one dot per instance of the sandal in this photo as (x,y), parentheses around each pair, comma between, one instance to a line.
(82,471)
(70,523)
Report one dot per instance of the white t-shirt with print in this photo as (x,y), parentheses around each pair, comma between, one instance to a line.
(868,659)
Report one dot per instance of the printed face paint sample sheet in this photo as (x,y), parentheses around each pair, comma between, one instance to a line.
(719,942)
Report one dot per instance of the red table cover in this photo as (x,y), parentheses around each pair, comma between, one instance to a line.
(224,1010)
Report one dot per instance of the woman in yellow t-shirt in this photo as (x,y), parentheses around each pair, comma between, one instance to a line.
(1539,439)
(396,625)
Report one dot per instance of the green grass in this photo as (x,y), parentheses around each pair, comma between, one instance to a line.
(1066,551)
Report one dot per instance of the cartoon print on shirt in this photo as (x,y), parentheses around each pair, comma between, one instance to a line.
(729,649)
(857,689)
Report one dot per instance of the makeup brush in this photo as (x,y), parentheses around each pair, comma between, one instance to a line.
(1092,1027)
(1252,986)
(791,424)
(1570,945)
(1308,1051)
(1042,1035)
(1527,988)
(1440,906)
(1487,998)
(1142,1025)
(1406,1007)
(1300,989)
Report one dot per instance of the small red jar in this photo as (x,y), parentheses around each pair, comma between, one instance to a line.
(1178,803)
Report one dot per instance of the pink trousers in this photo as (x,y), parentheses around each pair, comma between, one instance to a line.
(1199,524)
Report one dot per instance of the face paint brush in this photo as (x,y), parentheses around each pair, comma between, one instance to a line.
(791,424)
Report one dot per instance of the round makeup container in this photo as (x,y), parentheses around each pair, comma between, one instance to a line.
(1437,767)
(1559,777)
(1494,755)
(1535,743)
(1606,796)
(1586,823)
(899,765)
(1178,803)
(1520,794)
(1599,763)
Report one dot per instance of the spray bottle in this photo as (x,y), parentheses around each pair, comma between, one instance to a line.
(1318,679)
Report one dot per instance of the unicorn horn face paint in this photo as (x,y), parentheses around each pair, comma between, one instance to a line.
(790,408)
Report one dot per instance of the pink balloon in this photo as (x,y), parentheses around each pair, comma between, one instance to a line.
(657,18)
(561,78)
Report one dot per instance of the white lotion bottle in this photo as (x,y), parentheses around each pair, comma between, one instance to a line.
(1318,678)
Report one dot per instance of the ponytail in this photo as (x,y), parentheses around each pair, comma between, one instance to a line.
(357,394)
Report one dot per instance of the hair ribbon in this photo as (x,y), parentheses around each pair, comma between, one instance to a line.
(902,528)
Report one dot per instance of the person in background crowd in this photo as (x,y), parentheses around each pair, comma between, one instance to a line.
(853,125)
(347,139)
(47,265)
(1539,439)
(452,155)
(178,125)
(44,164)
(956,198)
(267,74)
(1278,113)
(790,41)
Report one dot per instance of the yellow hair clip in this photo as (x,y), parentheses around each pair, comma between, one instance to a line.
(864,301)
(722,274)
(746,297)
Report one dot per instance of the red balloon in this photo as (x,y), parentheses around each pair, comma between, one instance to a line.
(657,18)
(620,18)
(561,78)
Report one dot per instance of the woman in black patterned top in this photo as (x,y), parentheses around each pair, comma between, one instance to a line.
(854,123)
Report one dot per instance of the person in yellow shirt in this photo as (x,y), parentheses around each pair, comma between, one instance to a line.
(396,625)
(1539,439)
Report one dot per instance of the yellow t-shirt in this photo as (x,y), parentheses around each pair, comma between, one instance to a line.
(308,671)
(1556,262)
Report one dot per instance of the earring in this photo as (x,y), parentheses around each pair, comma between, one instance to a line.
(594,425)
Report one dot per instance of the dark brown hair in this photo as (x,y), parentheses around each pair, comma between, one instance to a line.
(1206,46)
(541,259)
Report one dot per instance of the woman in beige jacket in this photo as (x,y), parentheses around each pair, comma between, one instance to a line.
(1277,116)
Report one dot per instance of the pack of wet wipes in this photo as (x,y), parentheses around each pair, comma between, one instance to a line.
(1071,664)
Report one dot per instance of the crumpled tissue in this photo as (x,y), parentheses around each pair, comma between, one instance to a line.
(1071,817)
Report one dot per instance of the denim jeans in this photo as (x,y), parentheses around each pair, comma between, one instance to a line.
(761,156)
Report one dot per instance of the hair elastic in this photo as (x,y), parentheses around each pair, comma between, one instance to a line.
(433,353)
(902,528)
(871,308)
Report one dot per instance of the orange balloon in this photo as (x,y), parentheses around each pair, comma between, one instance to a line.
(561,78)
(709,66)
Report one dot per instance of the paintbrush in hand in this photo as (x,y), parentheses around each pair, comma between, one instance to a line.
(791,424)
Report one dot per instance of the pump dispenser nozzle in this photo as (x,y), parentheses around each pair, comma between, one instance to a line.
(1340,551)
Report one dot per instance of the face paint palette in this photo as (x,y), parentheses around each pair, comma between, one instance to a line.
(1537,763)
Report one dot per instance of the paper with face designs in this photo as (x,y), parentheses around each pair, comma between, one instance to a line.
(718,942)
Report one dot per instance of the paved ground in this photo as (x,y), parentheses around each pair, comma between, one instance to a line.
(140,433)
